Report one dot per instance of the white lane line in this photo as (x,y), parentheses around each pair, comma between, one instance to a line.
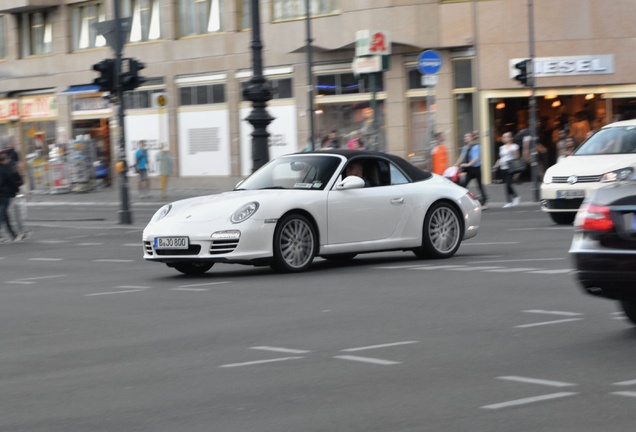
(490,243)
(556,271)
(89,244)
(439,267)
(190,289)
(625,393)
(625,383)
(380,346)
(552,312)
(475,268)
(368,360)
(53,241)
(282,350)
(397,267)
(536,381)
(31,280)
(548,323)
(45,259)
(511,270)
(203,284)
(113,292)
(113,260)
(516,260)
(231,365)
(528,400)
(132,245)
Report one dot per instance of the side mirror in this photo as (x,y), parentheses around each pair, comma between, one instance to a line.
(350,182)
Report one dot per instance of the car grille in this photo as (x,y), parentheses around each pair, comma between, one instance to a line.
(192,250)
(564,204)
(148,248)
(579,179)
(219,247)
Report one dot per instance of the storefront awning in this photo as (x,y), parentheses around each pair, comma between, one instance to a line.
(81,89)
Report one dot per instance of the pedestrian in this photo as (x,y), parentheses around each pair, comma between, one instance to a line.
(15,210)
(10,181)
(356,143)
(334,141)
(164,168)
(470,162)
(507,152)
(141,166)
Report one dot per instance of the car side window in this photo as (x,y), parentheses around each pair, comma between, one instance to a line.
(396,176)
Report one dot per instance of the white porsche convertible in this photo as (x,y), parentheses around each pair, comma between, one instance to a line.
(304,205)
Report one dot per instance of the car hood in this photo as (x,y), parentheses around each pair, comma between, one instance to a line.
(591,165)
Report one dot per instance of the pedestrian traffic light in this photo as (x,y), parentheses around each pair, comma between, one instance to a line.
(523,76)
(130,78)
(106,69)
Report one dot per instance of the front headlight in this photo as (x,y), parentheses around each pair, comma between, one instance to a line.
(244,212)
(161,213)
(617,175)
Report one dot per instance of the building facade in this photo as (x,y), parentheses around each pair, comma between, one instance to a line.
(198,58)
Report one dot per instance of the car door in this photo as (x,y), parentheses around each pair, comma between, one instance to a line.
(366,214)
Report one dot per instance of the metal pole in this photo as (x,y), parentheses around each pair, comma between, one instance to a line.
(429,127)
(125,214)
(374,108)
(258,92)
(532,106)
(310,79)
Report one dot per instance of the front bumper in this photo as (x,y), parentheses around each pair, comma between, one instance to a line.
(552,200)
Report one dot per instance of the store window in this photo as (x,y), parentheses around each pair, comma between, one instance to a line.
(146,19)
(83,16)
(198,17)
(347,83)
(293,9)
(141,99)
(281,88)
(3,37)
(36,33)
(202,94)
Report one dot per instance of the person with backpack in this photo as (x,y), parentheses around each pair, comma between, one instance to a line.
(10,182)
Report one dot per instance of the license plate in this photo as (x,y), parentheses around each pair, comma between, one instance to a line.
(171,243)
(629,219)
(568,194)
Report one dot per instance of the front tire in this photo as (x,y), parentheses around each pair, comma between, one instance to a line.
(563,218)
(295,244)
(192,268)
(629,307)
(442,233)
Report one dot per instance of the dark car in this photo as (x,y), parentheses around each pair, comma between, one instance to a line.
(604,244)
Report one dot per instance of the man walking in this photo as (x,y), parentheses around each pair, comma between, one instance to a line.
(141,164)
(470,161)
(164,167)
(9,177)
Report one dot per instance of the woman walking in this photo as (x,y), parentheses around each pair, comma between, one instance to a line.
(507,152)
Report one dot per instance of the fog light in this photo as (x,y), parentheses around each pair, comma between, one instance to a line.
(226,235)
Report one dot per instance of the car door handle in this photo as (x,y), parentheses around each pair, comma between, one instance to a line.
(397,201)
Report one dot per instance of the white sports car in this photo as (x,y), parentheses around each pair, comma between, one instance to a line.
(304,205)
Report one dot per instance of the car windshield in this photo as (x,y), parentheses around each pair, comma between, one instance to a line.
(294,172)
(613,140)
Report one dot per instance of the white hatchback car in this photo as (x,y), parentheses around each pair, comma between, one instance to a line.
(606,157)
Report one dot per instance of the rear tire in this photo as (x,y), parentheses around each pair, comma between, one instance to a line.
(295,244)
(193,268)
(442,233)
(629,307)
(563,218)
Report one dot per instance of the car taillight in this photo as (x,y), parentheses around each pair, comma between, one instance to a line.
(592,217)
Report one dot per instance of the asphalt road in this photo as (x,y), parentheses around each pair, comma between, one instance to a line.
(498,338)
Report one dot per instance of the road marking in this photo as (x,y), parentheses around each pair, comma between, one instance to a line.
(528,400)
(517,260)
(45,259)
(536,381)
(113,260)
(31,280)
(511,270)
(397,267)
(89,244)
(203,284)
(53,241)
(557,271)
(132,287)
(439,267)
(475,268)
(625,393)
(548,323)
(368,360)
(625,383)
(490,243)
(380,346)
(190,289)
(132,245)
(283,350)
(551,312)
(260,362)
(113,292)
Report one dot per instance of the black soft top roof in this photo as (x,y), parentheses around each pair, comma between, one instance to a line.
(412,171)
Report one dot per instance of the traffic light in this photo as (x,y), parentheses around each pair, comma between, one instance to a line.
(523,76)
(106,69)
(130,78)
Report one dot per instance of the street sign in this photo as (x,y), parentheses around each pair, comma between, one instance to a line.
(373,42)
(366,65)
(429,62)
(108,29)
(430,80)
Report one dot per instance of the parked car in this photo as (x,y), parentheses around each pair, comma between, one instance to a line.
(604,244)
(304,205)
(604,158)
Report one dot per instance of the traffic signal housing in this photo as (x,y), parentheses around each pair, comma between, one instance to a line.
(130,78)
(523,77)
(106,79)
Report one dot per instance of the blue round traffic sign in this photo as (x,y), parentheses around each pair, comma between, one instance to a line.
(429,62)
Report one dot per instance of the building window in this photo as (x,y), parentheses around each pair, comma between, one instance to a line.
(3,37)
(83,16)
(140,99)
(293,9)
(202,94)
(245,14)
(146,20)
(281,88)
(463,73)
(347,83)
(197,17)
(36,33)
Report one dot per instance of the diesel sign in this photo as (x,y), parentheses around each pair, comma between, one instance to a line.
(572,65)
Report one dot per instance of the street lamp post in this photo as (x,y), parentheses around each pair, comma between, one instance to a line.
(259,93)
(310,79)
(532,106)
